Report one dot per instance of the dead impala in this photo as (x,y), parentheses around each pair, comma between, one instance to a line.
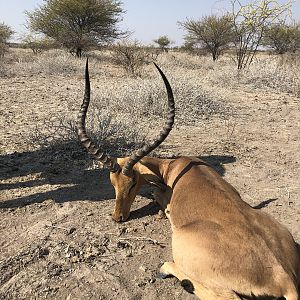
(222,247)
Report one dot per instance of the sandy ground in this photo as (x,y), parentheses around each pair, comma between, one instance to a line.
(57,240)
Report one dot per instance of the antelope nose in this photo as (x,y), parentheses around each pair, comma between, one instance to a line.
(117,218)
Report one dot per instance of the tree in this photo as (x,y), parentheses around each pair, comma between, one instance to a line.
(5,34)
(213,32)
(78,24)
(251,22)
(283,38)
(163,42)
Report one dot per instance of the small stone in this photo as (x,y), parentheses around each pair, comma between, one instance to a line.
(152,280)
(142,268)
(74,259)
(71,230)
(161,215)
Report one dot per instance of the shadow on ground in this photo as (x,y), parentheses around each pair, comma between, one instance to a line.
(65,170)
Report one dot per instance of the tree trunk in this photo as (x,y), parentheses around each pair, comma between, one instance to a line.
(214,55)
(78,52)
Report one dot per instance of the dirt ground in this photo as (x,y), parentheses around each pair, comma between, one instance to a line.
(57,239)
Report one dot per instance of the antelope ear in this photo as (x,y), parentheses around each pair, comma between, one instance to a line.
(156,182)
(149,177)
(149,170)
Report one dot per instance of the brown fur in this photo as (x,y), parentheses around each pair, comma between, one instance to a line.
(223,246)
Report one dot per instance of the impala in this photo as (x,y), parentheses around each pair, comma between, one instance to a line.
(222,247)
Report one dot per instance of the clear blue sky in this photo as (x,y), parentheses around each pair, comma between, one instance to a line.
(148,19)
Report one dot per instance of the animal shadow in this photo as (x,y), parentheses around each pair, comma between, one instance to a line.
(68,169)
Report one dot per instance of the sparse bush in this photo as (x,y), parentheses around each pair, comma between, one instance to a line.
(116,137)
(193,49)
(152,53)
(145,99)
(38,44)
(283,38)
(251,22)
(163,43)
(3,49)
(130,56)
(5,34)
(188,46)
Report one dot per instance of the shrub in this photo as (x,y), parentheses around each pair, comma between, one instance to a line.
(130,56)
(283,38)
(5,34)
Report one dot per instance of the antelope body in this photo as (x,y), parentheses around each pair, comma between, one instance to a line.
(222,247)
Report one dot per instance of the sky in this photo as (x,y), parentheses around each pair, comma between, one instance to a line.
(147,19)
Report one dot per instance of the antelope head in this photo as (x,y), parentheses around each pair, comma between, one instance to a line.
(127,174)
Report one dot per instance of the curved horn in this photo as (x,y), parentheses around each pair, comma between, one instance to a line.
(139,154)
(85,140)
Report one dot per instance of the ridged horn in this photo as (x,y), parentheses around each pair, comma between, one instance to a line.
(85,140)
(139,154)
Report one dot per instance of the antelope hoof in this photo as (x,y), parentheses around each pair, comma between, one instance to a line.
(188,286)
(163,272)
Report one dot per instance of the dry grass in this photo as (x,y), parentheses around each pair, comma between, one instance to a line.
(275,72)
(127,111)
(281,73)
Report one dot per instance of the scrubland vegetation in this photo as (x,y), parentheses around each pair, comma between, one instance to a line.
(125,104)
(237,108)
(242,121)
